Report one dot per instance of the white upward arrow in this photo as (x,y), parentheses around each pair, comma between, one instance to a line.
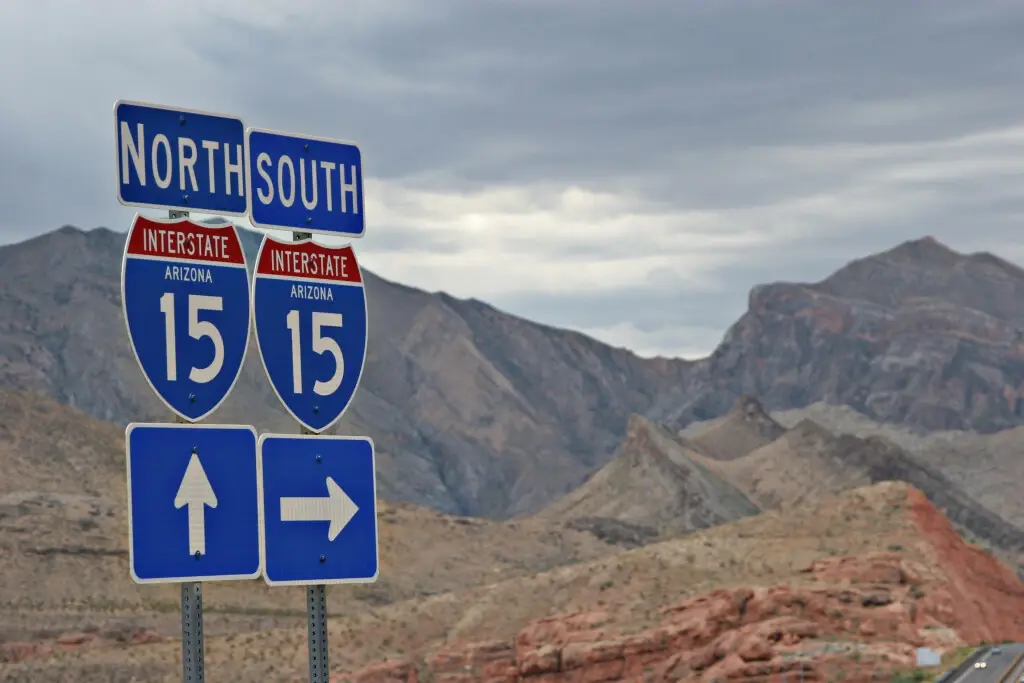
(195,492)
(337,508)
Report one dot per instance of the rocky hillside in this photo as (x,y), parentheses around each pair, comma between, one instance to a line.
(653,483)
(64,536)
(919,335)
(741,431)
(807,461)
(472,410)
(478,412)
(989,467)
(848,585)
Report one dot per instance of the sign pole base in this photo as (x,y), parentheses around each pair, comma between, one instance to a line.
(316,615)
(316,596)
(193,665)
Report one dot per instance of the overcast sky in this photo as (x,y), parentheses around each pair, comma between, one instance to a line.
(629,168)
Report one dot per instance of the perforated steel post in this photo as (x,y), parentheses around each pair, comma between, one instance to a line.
(316,596)
(316,612)
(193,668)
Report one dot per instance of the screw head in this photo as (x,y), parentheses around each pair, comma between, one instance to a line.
(184,199)
(191,398)
(305,147)
(319,458)
(197,555)
(181,119)
(195,450)
(309,219)
(323,558)
(316,410)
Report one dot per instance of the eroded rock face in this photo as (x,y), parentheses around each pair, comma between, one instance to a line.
(918,335)
(860,614)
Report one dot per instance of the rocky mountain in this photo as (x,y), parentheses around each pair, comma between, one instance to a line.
(478,412)
(842,589)
(654,483)
(472,410)
(741,431)
(808,461)
(919,335)
(989,467)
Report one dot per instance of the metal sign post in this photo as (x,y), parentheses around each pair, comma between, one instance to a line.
(316,596)
(318,494)
(312,539)
(193,666)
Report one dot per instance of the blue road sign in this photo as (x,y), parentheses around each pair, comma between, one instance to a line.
(170,158)
(318,500)
(185,292)
(193,503)
(309,306)
(304,184)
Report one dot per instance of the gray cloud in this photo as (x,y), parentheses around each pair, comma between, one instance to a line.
(827,130)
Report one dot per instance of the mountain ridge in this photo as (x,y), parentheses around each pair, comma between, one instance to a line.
(472,411)
(652,481)
(476,411)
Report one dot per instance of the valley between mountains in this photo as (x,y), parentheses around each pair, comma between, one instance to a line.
(836,485)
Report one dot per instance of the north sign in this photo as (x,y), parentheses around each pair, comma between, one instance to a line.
(179,159)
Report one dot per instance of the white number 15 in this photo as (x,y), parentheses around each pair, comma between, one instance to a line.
(197,329)
(321,345)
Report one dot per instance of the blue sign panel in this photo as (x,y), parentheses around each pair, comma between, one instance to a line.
(185,292)
(319,505)
(304,184)
(309,306)
(169,158)
(193,503)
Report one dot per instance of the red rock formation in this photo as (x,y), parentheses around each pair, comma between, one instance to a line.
(18,651)
(863,615)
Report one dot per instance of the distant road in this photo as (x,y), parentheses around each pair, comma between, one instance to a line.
(1006,667)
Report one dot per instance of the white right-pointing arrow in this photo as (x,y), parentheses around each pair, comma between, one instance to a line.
(337,508)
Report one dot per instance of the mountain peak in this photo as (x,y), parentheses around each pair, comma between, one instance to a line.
(746,427)
(654,480)
(925,250)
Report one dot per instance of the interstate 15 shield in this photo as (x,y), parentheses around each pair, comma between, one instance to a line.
(185,292)
(309,306)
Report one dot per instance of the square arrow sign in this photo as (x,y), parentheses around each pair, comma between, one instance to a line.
(319,508)
(193,508)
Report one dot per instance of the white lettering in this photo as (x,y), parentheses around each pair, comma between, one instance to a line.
(160,140)
(211,146)
(137,152)
(308,203)
(233,169)
(262,161)
(187,162)
(312,292)
(328,166)
(333,266)
(174,158)
(348,187)
(171,242)
(286,160)
(188,274)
